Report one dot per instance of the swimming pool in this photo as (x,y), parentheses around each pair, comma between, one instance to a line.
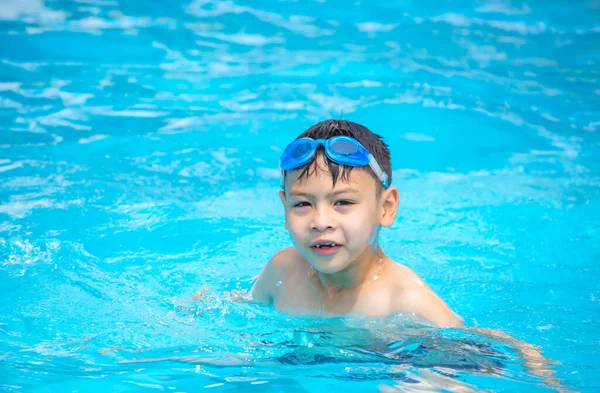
(139,145)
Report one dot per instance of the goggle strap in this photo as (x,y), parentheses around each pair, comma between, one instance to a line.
(383,177)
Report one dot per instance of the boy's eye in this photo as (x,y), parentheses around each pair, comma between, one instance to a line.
(301,204)
(344,202)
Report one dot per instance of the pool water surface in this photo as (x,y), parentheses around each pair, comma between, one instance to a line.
(139,147)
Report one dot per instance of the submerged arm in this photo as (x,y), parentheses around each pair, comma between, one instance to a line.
(534,362)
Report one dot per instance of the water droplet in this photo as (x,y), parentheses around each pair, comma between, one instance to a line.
(279,283)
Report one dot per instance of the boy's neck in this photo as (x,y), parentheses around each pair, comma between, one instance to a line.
(362,271)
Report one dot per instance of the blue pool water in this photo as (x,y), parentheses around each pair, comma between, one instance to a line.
(138,164)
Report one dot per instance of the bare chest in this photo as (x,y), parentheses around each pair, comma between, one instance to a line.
(305,299)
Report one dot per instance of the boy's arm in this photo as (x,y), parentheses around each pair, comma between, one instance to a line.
(261,291)
(264,287)
(436,310)
(424,302)
(414,296)
(534,361)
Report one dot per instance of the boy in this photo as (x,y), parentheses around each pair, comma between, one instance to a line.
(336,194)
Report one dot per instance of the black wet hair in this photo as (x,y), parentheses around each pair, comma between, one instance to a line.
(372,142)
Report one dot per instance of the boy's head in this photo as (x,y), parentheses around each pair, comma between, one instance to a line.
(331,128)
(328,202)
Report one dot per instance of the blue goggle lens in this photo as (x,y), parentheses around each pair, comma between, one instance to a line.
(343,147)
(301,149)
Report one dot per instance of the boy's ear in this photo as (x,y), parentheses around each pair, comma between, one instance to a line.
(282,197)
(390,199)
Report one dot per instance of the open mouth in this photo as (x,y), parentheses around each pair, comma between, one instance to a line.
(326,248)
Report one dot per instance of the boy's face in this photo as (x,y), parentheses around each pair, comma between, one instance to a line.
(348,215)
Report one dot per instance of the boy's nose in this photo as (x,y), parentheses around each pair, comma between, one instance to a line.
(322,221)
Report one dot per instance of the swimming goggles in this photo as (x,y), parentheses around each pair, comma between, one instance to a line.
(340,149)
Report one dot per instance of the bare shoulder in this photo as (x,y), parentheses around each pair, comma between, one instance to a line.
(405,278)
(286,260)
(411,294)
(281,266)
